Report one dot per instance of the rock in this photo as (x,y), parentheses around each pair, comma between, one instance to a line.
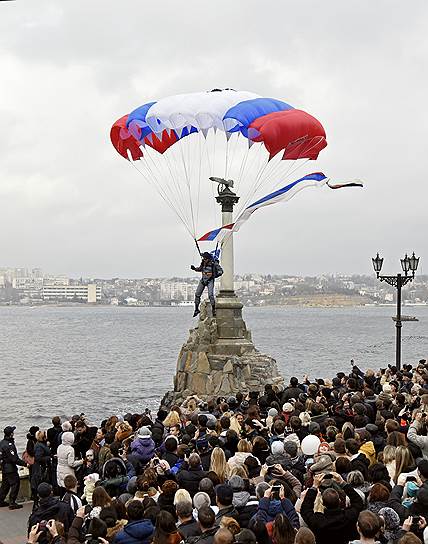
(203,365)
(228,367)
(199,384)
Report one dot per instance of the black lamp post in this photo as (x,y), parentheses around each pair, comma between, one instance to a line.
(409,265)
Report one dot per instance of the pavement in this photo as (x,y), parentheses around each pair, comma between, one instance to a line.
(13,524)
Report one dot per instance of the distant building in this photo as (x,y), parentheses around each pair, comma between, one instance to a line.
(90,293)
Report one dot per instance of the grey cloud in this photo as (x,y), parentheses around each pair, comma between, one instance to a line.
(69,69)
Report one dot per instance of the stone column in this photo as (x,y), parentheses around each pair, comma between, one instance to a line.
(227,199)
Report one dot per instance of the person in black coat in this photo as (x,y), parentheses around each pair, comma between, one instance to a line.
(9,460)
(191,474)
(50,508)
(336,524)
(84,436)
(29,449)
(41,470)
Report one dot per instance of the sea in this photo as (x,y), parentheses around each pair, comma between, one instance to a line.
(103,360)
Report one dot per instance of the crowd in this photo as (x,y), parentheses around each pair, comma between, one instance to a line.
(319,461)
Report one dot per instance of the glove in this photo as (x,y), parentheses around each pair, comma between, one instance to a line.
(192,267)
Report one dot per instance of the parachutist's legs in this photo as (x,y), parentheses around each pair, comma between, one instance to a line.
(211,295)
(199,290)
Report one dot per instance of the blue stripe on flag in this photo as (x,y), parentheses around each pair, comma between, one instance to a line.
(317,176)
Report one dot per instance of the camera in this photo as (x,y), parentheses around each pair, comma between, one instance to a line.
(42,526)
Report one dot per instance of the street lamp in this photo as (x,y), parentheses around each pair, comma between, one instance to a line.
(408,264)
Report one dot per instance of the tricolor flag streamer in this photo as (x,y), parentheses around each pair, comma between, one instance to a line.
(316,179)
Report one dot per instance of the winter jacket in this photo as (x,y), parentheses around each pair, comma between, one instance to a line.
(189,528)
(83,441)
(143,449)
(66,460)
(361,463)
(9,456)
(336,525)
(189,479)
(369,451)
(238,459)
(282,459)
(104,455)
(51,508)
(41,470)
(207,537)
(421,441)
(135,532)
(228,511)
(246,507)
(269,508)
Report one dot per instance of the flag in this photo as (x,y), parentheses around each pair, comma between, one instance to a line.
(214,234)
(316,179)
(281,195)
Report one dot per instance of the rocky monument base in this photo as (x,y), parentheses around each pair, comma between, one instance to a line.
(219,357)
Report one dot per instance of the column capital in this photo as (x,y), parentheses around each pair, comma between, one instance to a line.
(227,199)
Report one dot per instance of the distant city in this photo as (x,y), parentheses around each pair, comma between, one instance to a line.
(32,286)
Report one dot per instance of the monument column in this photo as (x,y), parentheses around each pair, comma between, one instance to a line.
(219,357)
(227,199)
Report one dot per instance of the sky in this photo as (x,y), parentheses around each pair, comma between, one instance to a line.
(71,205)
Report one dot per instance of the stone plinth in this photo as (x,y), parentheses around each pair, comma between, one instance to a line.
(219,357)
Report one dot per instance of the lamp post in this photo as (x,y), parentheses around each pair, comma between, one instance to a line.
(409,266)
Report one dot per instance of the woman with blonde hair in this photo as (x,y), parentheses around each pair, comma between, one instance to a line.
(182,495)
(404,462)
(173,418)
(244,450)
(389,460)
(219,464)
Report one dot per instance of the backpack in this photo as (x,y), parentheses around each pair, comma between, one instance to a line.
(217,269)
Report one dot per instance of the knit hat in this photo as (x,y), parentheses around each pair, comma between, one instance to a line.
(287,407)
(273,412)
(144,432)
(237,483)
(392,523)
(44,490)
(277,447)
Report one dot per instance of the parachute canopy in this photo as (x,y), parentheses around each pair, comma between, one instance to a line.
(178,142)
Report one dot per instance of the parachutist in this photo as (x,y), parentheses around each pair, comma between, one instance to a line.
(210,269)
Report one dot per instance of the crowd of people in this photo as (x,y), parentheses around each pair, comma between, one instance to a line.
(319,461)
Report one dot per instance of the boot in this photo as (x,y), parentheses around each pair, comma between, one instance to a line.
(3,504)
(14,506)
(213,310)
(196,312)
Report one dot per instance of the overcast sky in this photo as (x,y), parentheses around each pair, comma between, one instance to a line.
(68,69)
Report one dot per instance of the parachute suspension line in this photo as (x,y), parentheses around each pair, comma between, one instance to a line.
(251,190)
(244,163)
(199,181)
(226,155)
(163,180)
(161,191)
(295,168)
(174,179)
(231,171)
(189,190)
(211,173)
(163,196)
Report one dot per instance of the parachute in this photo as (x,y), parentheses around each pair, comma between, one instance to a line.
(177,143)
